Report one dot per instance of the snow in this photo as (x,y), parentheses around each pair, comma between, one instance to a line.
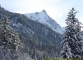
(40,17)
(43,17)
(17,25)
(60,30)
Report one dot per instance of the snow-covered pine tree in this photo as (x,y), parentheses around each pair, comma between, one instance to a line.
(71,44)
(9,40)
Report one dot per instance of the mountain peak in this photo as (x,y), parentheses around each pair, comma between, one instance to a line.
(44,18)
(44,11)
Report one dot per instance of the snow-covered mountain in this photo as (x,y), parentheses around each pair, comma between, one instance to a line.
(44,18)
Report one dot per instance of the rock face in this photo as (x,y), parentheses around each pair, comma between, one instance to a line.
(38,39)
(44,18)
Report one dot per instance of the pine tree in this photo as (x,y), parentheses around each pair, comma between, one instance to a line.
(71,44)
(9,40)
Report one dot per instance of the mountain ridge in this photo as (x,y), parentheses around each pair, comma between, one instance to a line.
(45,19)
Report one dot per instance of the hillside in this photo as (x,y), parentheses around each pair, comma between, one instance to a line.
(38,39)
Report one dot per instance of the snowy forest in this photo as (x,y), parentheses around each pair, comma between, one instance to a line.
(72,44)
(19,42)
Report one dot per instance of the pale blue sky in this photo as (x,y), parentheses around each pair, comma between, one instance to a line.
(56,9)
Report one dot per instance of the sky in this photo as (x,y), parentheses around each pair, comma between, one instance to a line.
(56,9)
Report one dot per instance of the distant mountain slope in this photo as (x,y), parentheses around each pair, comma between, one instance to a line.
(43,17)
(37,38)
